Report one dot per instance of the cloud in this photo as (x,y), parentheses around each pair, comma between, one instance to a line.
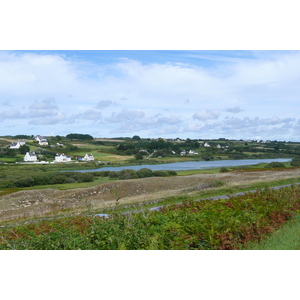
(58,118)
(125,116)
(6,103)
(104,104)
(46,104)
(12,114)
(88,115)
(234,110)
(153,96)
(204,115)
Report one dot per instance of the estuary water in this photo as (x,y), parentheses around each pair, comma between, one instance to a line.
(192,165)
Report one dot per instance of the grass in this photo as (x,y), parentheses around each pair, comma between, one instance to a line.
(285,238)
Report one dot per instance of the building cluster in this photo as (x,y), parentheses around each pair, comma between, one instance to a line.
(59,157)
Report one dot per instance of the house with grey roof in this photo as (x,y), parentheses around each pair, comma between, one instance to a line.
(30,156)
(88,157)
(62,158)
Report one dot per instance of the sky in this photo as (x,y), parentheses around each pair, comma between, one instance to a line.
(151,93)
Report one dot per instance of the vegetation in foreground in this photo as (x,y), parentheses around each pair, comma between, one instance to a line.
(206,225)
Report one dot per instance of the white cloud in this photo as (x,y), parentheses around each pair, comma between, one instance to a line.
(125,116)
(103,104)
(45,104)
(234,110)
(56,119)
(89,115)
(152,97)
(204,115)
(12,114)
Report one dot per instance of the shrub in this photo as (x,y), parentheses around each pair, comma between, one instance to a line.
(295,162)
(275,164)
(113,174)
(127,174)
(223,170)
(171,173)
(159,173)
(24,182)
(142,173)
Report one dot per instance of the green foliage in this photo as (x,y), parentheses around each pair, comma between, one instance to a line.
(171,173)
(48,179)
(78,136)
(6,152)
(144,172)
(22,136)
(138,156)
(224,169)
(23,149)
(136,137)
(159,173)
(206,225)
(127,174)
(24,182)
(295,162)
(275,164)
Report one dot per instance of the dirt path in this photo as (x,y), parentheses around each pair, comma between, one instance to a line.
(34,203)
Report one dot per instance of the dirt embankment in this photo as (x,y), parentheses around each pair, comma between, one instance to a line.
(34,203)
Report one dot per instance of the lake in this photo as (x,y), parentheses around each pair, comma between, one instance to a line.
(192,165)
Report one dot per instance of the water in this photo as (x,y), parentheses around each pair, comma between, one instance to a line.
(192,165)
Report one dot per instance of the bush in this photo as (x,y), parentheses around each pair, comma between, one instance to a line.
(295,162)
(127,174)
(223,170)
(138,156)
(113,174)
(143,173)
(160,173)
(275,164)
(171,173)
(24,182)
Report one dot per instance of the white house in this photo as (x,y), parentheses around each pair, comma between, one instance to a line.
(192,152)
(15,145)
(62,158)
(42,140)
(183,152)
(88,157)
(206,145)
(30,156)
(219,146)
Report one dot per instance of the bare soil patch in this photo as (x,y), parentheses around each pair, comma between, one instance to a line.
(38,203)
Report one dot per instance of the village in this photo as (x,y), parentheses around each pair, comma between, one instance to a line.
(31,157)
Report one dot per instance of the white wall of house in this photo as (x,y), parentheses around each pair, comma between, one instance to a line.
(88,157)
(30,156)
(62,158)
(15,145)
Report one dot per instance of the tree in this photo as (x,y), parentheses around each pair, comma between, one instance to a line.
(136,137)
(79,136)
(23,149)
(138,156)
